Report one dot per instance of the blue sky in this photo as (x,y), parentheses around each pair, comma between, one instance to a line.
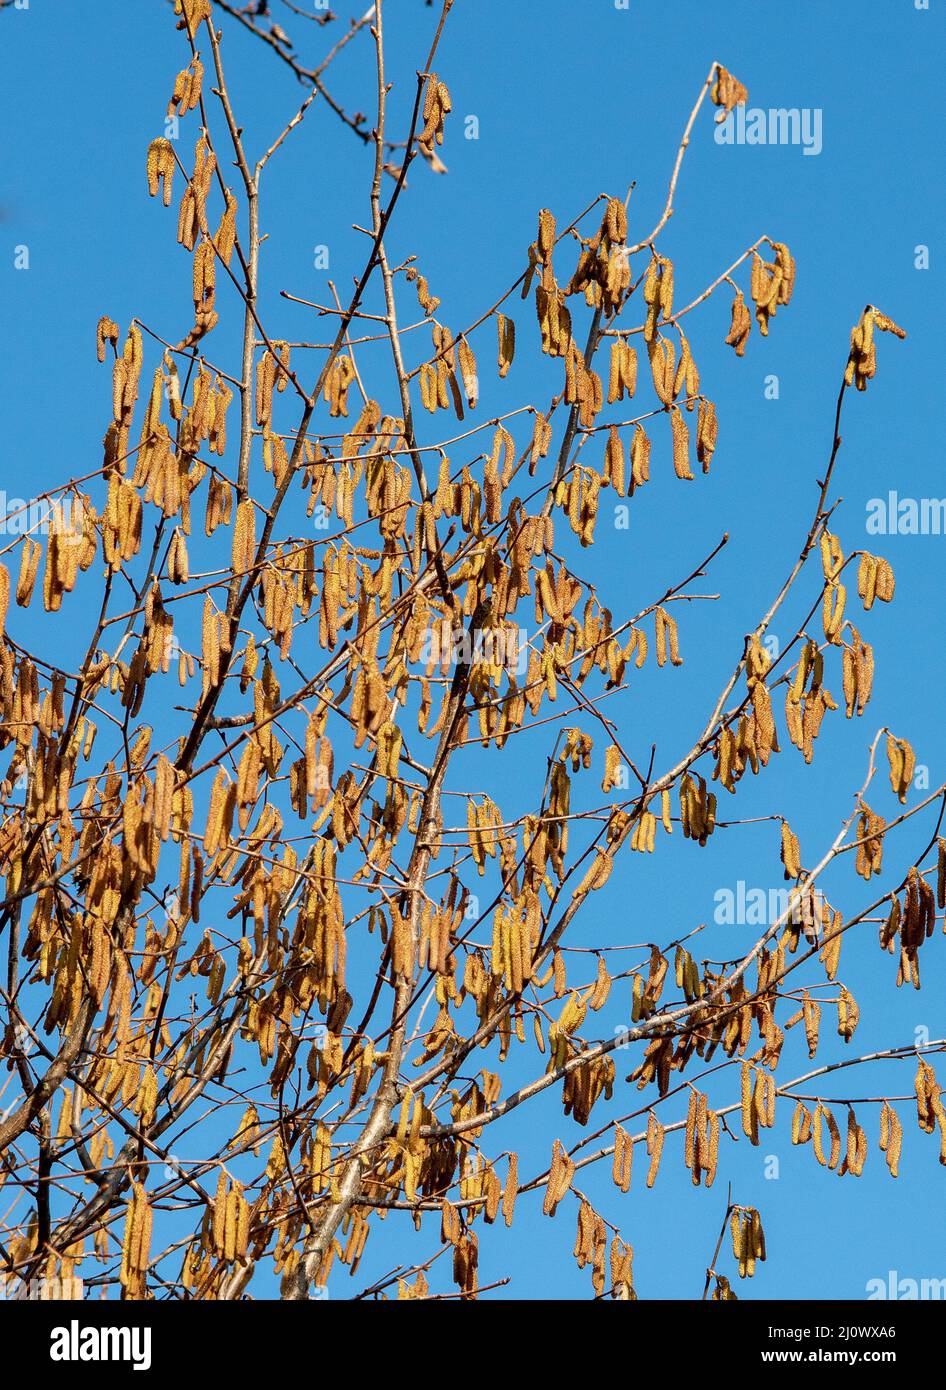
(573,100)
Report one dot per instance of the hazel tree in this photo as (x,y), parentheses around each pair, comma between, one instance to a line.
(254,1012)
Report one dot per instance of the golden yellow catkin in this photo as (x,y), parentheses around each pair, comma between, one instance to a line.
(28,569)
(545,242)
(622,373)
(790,852)
(561,1172)
(225,240)
(187,85)
(437,106)
(136,1243)
(655,1144)
(707,432)
(177,562)
(811,1012)
(690,1138)
(832,611)
(541,440)
(204,281)
(748,1239)
(902,760)
(467,364)
(801,1124)
(756,1237)
(4,598)
(681,444)
(511,1189)
(506,330)
(640,458)
(428,302)
(727,91)
(192,12)
(848,1014)
(687,378)
(106,331)
(867,577)
(862,361)
(738,335)
(747,1092)
(891,1137)
(244,537)
(161,167)
(614,461)
(623,1157)
(832,555)
(736,1234)
(856,1147)
(830,954)
(662,354)
(220,813)
(666,638)
(927,1096)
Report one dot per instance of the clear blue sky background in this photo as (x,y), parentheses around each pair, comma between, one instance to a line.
(573,100)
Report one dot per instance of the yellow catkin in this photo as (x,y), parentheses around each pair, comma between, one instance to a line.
(545,243)
(160,167)
(891,1137)
(511,1189)
(747,1094)
(681,445)
(225,239)
(790,852)
(244,537)
(690,1130)
(711,1160)
(623,1156)
(467,363)
(29,568)
(4,598)
(506,331)
(801,1124)
(707,431)
(812,1018)
(655,1144)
